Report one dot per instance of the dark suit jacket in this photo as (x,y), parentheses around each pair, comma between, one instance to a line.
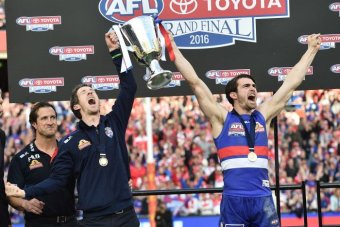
(4,216)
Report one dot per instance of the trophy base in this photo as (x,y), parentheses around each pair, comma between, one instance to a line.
(159,80)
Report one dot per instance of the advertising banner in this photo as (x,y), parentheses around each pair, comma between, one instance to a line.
(55,45)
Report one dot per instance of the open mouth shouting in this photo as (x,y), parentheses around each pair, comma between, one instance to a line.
(252,98)
(91,101)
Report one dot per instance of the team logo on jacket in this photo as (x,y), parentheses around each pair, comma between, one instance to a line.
(42,85)
(108,132)
(197,24)
(335,68)
(102,83)
(72,53)
(335,7)
(83,143)
(39,24)
(328,41)
(259,127)
(35,164)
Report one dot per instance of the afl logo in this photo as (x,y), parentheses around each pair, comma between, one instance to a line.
(26,82)
(335,7)
(303,39)
(119,11)
(183,6)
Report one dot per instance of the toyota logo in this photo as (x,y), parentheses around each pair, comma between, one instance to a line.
(183,6)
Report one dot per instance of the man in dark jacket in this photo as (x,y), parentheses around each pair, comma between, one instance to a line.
(32,165)
(96,154)
(4,216)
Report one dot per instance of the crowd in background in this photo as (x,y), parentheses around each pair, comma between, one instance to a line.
(186,157)
(2,15)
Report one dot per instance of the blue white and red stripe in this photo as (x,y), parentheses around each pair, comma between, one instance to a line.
(241,176)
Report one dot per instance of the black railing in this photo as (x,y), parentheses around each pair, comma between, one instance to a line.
(301,186)
(318,193)
(202,190)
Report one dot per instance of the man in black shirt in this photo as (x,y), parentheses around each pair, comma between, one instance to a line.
(4,216)
(33,165)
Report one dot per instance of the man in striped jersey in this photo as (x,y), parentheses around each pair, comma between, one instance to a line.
(241,138)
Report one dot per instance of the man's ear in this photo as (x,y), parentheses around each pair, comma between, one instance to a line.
(233,95)
(76,107)
(34,125)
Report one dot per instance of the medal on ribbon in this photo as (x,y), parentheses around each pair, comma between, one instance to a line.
(103,160)
(252,156)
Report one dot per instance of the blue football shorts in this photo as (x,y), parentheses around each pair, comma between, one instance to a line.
(248,212)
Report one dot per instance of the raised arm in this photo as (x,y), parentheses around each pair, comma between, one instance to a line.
(211,109)
(274,106)
(128,86)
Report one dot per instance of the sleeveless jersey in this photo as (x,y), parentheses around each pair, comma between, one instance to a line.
(243,177)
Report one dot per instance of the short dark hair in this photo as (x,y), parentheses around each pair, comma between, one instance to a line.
(34,111)
(232,86)
(75,100)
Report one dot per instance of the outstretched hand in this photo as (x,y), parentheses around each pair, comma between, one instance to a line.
(13,190)
(34,206)
(314,41)
(112,41)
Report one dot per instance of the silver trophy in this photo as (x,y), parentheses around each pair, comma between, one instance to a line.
(141,34)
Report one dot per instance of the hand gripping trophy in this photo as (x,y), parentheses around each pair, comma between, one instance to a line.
(142,36)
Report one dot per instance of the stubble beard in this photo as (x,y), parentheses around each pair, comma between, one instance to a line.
(93,112)
(48,135)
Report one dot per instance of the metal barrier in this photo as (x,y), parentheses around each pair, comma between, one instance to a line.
(301,186)
(318,192)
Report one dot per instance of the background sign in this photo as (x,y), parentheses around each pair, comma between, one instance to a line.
(54,45)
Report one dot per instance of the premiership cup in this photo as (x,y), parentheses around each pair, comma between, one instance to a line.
(140,32)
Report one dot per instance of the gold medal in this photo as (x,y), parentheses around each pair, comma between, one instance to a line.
(252,156)
(103,161)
